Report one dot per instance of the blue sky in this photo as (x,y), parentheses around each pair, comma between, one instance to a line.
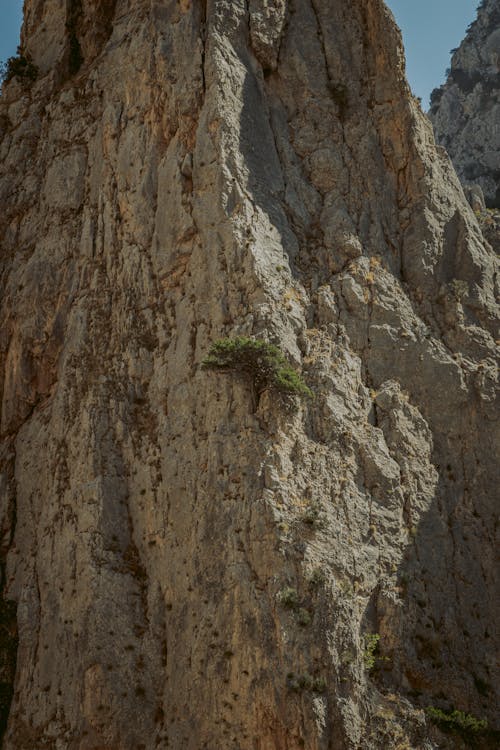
(430,29)
(10,24)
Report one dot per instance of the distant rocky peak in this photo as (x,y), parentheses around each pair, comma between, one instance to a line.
(481,46)
(465,111)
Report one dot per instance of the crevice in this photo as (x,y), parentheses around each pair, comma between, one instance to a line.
(283,34)
(338,90)
(8,608)
(74,16)
(87,32)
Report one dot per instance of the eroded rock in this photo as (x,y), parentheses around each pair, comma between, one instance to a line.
(229,170)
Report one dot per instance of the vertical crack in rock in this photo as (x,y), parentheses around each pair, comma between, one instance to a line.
(74,17)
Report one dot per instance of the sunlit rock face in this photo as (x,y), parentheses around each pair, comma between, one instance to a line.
(465,111)
(186,565)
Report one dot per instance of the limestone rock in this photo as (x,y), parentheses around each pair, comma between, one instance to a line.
(465,111)
(184,566)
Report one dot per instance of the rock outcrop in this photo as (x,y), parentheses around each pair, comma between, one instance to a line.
(465,111)
(184,567)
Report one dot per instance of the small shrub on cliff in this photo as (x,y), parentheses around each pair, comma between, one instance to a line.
(317,578)
(458,722)
(288,598)
(313,517)
(303,617)
(370,650)
(262,363)
(458,288)
(299,683)
(20,66)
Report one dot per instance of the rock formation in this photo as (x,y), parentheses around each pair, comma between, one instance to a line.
(465,111)
(184,566)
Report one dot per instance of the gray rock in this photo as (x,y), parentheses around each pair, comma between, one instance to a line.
(214,170)
(465,111)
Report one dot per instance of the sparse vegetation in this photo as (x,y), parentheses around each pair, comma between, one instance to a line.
(459,288)
(469,727)
(489,221)
(370,650)
(316,578)
(436,96)
(303,617)
(19,66)
(299,683)
(288,598)
(261,363)
(312,516)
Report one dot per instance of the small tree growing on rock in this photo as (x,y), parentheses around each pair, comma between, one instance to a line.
(263,364)
(20,66)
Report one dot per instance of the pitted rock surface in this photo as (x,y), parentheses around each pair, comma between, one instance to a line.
(219,169)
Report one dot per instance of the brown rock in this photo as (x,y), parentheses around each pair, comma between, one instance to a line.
(152,513)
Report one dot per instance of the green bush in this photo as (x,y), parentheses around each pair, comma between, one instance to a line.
(370,650)
(288,598)
(262,363)
(19,66)
(469,727)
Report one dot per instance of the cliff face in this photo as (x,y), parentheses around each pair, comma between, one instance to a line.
(184,567)
(465,111)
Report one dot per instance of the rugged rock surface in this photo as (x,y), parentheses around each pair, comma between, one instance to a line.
(182,568)
(465,111)
(489,221)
